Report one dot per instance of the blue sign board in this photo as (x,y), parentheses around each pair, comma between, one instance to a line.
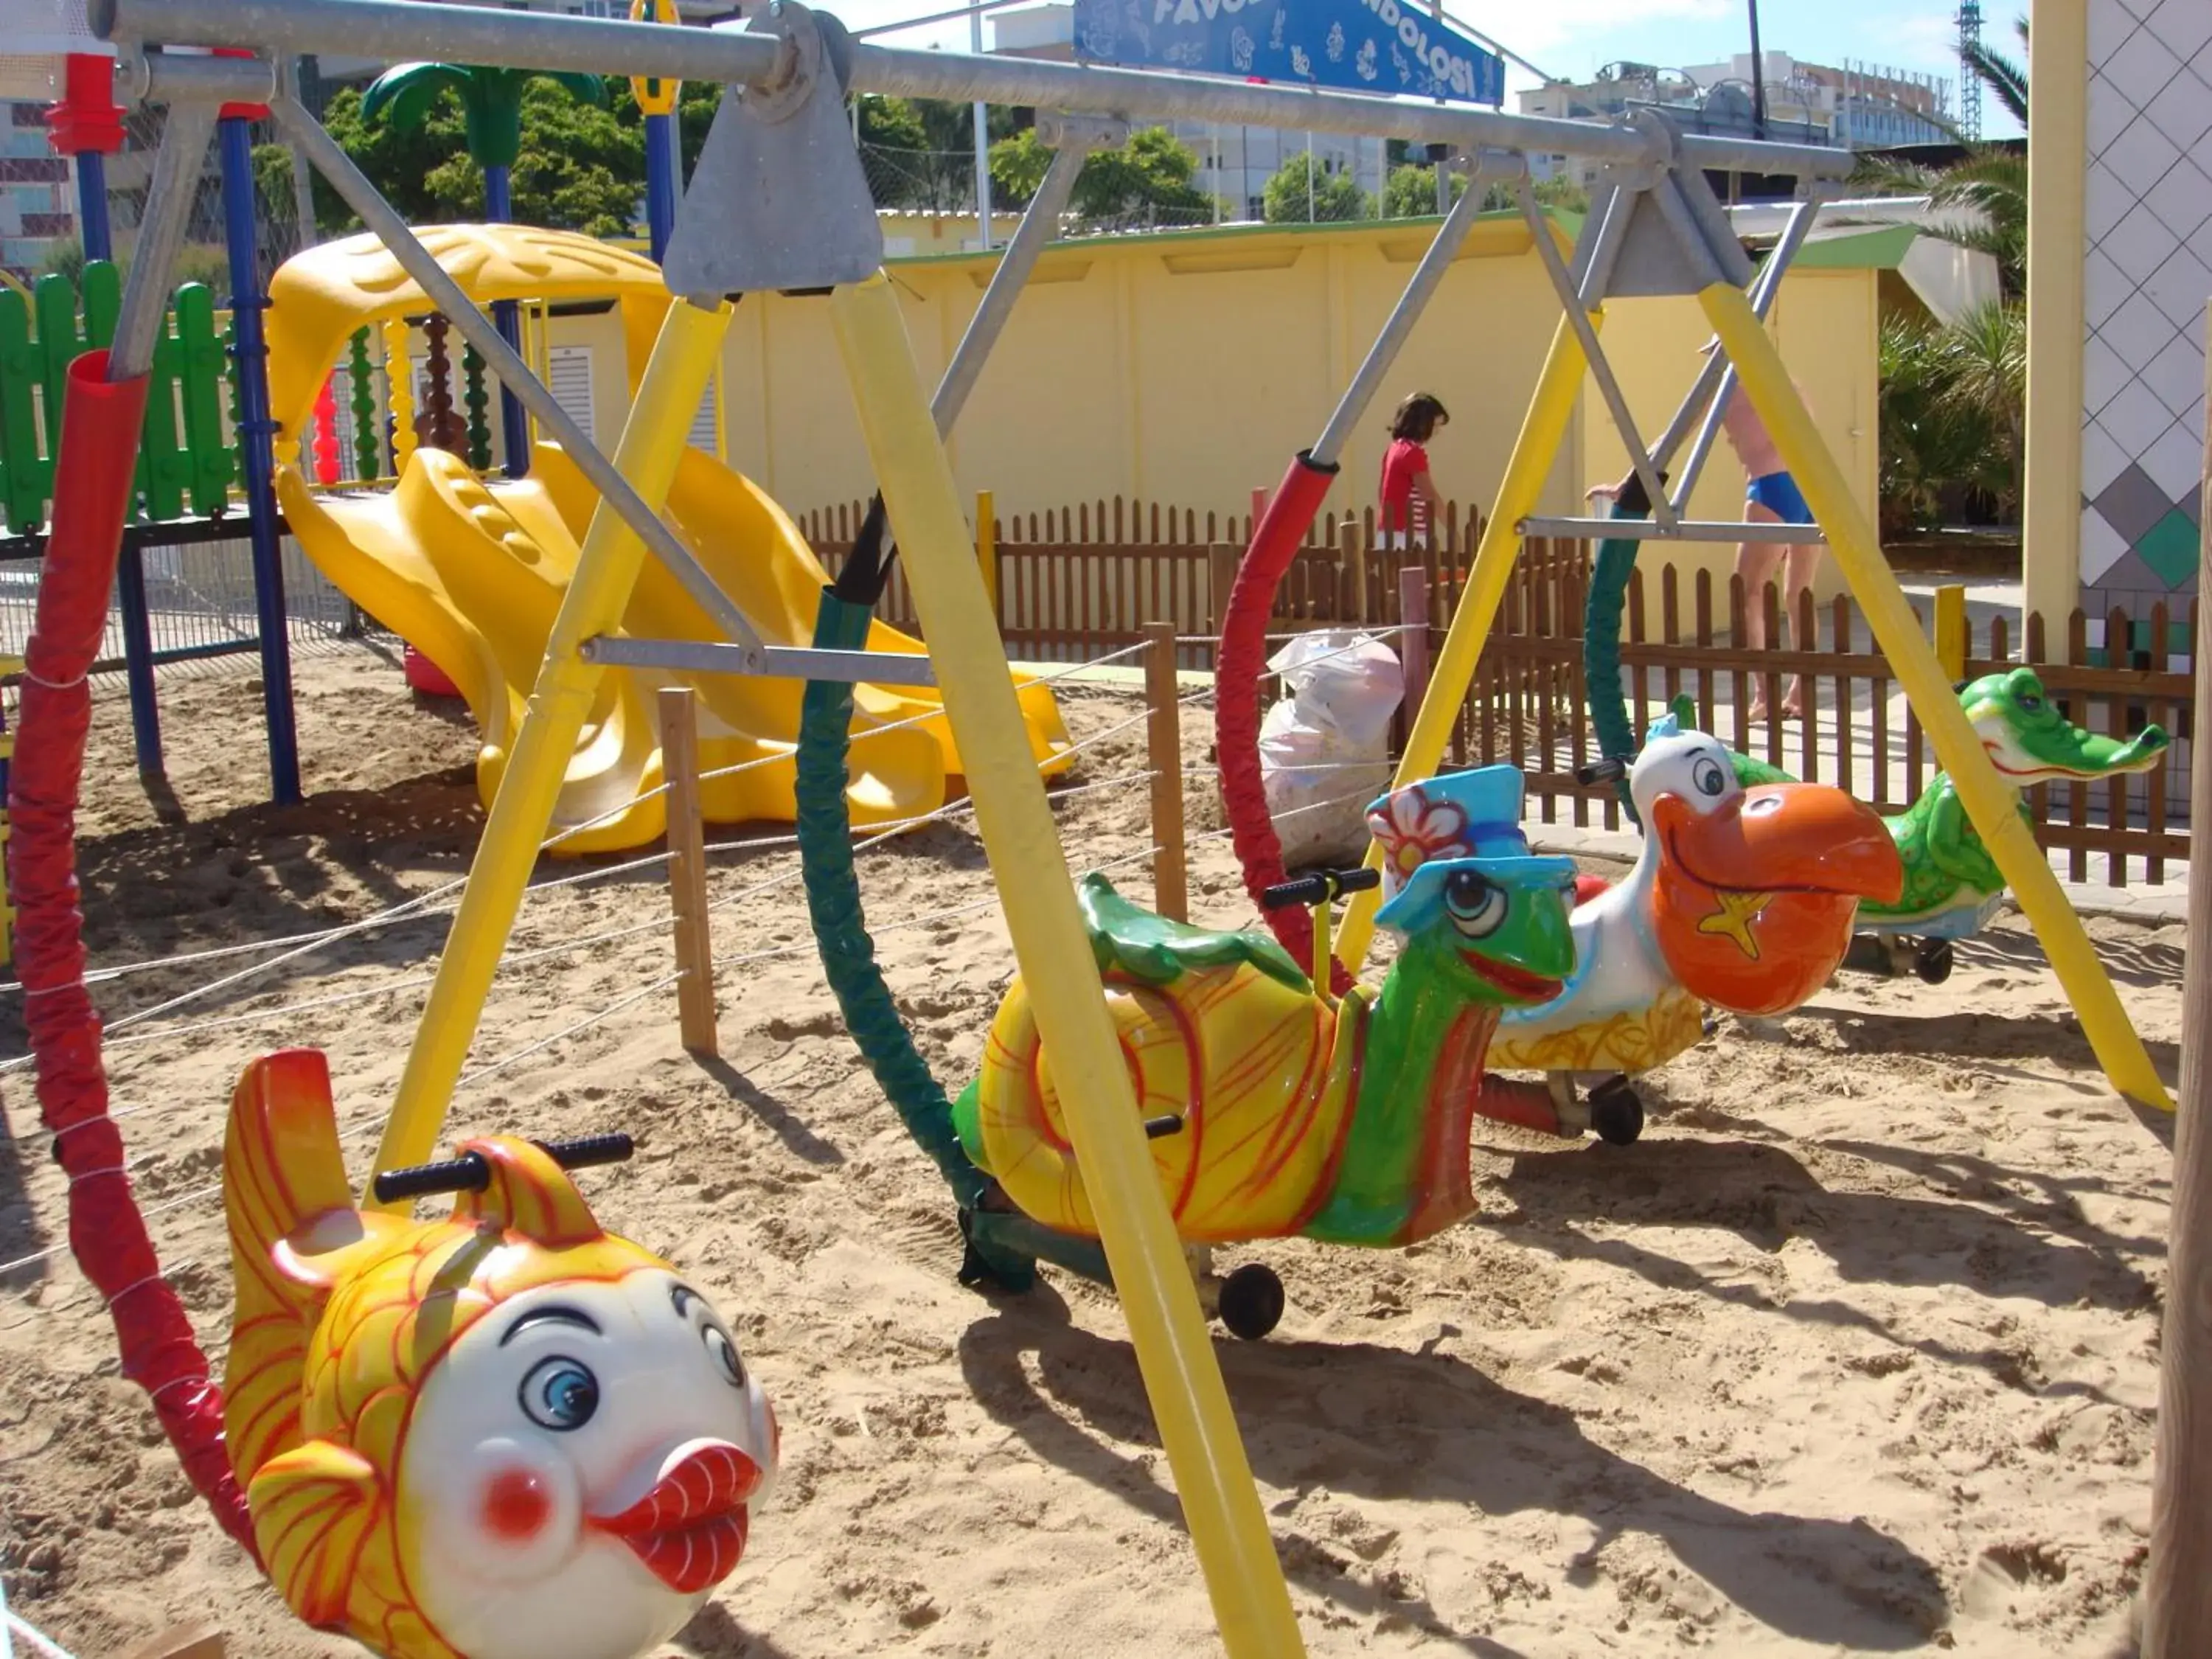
(1384,47)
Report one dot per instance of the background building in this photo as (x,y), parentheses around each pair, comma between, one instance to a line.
(1858,105)
(1234,163)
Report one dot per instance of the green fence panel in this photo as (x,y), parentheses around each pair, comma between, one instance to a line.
(103,303)
(23,498)
(54,311)
(165,465)
(209,434)
(53,303)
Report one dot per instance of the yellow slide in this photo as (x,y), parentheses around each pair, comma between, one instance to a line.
(472,575)
(470,572)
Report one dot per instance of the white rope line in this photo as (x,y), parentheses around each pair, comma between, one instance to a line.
(397,915)
(912,720)
(512,958)
(1315,766)
(425,907)
(1371,632)
(589,1020)
(806,948)
(620,1005)
(148,1213)
(270,1016)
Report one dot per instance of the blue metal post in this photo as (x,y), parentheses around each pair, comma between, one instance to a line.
(661,165)
(256,435)
(138,655)
(92,205)
(499,208)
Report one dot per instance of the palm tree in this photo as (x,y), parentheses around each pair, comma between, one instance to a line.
(1991,179)
(2006,80)
(491,113)
(491,109)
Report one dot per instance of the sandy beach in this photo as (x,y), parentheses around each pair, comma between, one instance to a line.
(1856,1352)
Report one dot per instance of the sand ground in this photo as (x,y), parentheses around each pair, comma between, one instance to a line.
(1855,1352)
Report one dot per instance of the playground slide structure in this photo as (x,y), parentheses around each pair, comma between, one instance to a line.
(471,572)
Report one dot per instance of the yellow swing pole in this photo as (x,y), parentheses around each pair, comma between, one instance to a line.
(1542,429)
(1759,366)
(1220,1504)
(606,570)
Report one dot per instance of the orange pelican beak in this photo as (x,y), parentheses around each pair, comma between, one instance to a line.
(690,1530)
(1755,901)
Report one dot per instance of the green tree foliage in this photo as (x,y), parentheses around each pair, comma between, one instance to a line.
(1410,191)
(206,263)
(2005,77)
(921,153)
(1299,195)
(490,98)
(1991,179)
(1147,181)
(578,166)
(1564,194)
(1019,166)
(1953,416)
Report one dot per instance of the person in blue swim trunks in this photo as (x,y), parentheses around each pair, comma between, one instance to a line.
(1771,496)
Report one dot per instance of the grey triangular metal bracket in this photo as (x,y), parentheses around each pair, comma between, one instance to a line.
(1653,260)
(779,200)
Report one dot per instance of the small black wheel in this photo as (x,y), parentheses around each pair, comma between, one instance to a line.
(1617,1112)
(1251,1303)
(1932,962)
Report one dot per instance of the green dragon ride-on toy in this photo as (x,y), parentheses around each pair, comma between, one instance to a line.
(1952,887)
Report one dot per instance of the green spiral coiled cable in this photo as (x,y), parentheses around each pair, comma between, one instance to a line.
(1003,1246)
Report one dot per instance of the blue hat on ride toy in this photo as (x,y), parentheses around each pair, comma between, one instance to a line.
(1450,819)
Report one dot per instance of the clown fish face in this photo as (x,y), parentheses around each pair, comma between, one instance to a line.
(577,1471)
(1755,889)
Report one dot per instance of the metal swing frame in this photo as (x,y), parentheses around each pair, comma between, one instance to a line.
(1662,232)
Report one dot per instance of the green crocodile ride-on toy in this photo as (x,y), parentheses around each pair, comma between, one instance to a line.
(1952,887)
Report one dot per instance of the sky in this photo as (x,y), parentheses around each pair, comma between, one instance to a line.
(1572,39)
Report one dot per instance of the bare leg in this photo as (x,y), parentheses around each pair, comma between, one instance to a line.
(1804,563)
(1757,563)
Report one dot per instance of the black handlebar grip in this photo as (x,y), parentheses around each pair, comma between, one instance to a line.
(1306,889)
(472,1172)
(469,1173)
(1602,771)
(587,1151)
(1356,881)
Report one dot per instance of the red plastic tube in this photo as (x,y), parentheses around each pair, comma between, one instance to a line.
(92,493)
(1236,670)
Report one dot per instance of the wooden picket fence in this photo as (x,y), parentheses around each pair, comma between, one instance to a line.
(1527,705)
(1082,581)
(1079,582)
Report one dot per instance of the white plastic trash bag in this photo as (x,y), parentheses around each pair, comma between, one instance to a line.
(1325,749)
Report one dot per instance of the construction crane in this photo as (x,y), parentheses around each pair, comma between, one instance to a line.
(1970,78)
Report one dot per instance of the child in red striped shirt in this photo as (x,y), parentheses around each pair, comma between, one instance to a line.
(1408,500)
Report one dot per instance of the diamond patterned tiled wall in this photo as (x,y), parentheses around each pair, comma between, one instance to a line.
(2147,279)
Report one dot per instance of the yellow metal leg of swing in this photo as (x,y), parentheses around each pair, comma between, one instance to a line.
(1759,366)
(606,570)
(1542,429)
(1220,1503)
